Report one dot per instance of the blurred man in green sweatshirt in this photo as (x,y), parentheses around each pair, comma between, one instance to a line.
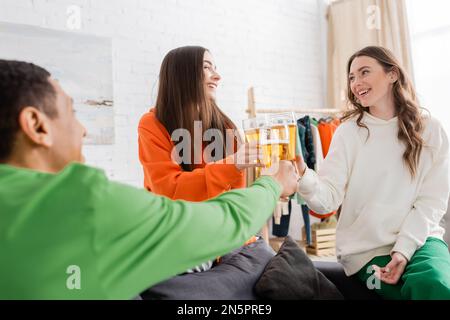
(66,232)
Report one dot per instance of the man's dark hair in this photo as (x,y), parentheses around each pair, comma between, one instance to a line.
(22,84)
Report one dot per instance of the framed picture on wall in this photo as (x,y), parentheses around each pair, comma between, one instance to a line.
(81,63)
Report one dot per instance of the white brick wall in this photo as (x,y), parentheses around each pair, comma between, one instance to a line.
(274,45)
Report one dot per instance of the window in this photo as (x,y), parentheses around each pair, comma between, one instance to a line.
(430,43)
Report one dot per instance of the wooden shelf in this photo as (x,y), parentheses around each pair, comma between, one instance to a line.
(276,243)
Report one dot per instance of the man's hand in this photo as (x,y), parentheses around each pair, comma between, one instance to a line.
(392,272)
(284,173)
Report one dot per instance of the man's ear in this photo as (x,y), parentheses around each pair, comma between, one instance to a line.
(35,125)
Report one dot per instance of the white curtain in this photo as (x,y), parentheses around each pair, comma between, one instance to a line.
(355,24)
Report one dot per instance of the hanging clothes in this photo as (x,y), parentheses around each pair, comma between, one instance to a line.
(326,128)
(326,133)
(281,229)
(302,129)
(310,157)
(336,122)
(301,135)
(306,220)
(317,146)
(298,154)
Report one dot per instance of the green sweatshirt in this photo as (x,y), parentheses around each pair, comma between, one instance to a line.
(76,235)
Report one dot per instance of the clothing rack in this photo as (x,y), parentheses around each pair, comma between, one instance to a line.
(299,110)
(252,112)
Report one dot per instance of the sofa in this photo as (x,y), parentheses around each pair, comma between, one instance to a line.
(242,269)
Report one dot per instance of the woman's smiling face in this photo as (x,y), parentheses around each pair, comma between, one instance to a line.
(211,77)
(369,82)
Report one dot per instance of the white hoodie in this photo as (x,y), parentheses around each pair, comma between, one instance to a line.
(383,208)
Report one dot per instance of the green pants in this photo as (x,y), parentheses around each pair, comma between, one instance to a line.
(426,276)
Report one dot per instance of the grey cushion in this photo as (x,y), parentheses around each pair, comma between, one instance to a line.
(234,278)
(291,275)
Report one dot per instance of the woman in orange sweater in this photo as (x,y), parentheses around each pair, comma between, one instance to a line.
(187,86)
(186,105)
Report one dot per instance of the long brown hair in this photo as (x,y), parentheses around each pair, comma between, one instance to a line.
(182,98)
(406,105)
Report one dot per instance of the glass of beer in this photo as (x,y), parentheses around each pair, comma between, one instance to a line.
(252,130)
(278,138)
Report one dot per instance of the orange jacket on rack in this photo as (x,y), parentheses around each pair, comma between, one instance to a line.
(164,176)
(326,132)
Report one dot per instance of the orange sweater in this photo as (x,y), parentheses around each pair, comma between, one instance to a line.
(165,177)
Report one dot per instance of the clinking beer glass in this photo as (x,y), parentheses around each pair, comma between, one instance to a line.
(278,141)
(277,138)
(252,130)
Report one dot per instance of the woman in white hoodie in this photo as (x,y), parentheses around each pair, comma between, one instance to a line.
(388,168)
